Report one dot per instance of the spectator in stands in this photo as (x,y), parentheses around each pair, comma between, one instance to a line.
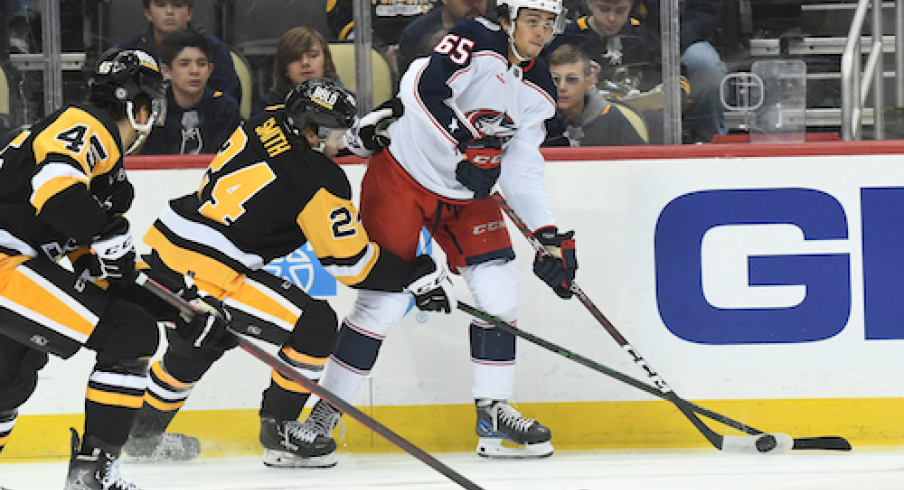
(584,117)
(700,19)
(166,16)
(199,119)
(388,18)
(415,40)
(628,55)
(302,53)
(20,17)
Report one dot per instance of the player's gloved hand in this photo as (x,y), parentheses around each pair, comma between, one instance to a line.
(114,193)
(481,166)
(369,135)
(209,326)
(431,286)
(558,268)
(112,256)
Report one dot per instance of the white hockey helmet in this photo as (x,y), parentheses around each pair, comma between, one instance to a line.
(552,6)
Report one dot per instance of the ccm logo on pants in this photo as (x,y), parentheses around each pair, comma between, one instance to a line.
(491,226)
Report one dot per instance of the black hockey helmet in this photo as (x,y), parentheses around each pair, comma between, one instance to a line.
(122,74)
(321,102)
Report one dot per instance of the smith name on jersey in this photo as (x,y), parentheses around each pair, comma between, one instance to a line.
(468,89)
(59,183)
(262,198)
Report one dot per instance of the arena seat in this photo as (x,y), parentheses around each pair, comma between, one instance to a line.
(344,59)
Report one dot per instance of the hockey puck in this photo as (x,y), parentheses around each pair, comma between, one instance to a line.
(766,443)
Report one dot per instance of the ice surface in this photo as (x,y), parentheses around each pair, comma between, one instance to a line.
(861,469)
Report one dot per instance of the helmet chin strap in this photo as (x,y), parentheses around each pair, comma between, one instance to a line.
(511,36)
(143,129)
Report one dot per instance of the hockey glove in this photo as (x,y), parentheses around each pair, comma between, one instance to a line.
(209,326)
(431,286)
(557,268)
(369,135)
(480,168)
(112,256)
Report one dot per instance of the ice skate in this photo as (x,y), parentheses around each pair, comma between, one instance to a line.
(94,468)
(162,447)
(295,444)
(505,433)
(323,418)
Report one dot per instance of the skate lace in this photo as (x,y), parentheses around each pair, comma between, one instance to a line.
(511,417)
(113,480)
(300,431)
(324,418)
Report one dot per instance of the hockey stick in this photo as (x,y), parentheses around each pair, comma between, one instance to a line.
(760,442)
(827,443)
(286,370)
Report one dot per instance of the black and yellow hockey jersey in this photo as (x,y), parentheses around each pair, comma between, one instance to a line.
(265,194)
(60,181)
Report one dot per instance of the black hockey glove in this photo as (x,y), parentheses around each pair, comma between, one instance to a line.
(112,256)
(114,193)
(557,268)
(481,166)
(369,135)
(431,286)
(209,326)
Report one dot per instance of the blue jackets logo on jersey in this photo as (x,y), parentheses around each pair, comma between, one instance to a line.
(493,123)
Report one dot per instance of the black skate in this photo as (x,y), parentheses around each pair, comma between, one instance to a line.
(498,423)
(94,468)
(293,444)
(164,447)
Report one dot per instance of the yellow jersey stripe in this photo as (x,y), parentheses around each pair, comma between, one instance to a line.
(114,399)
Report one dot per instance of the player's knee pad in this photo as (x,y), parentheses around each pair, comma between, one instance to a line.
(19,366)
(185,362)
(126,331)
(496,287)
(316,331)
(378,311)
(135,367)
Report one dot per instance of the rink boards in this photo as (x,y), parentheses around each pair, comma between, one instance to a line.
(762,281)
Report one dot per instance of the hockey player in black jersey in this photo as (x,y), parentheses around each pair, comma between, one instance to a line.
(63,191)
(265,194)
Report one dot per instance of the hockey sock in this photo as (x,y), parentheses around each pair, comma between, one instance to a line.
(114,395)
(493,361)
(7,422)
(284,398)
(352,361)
(165,395)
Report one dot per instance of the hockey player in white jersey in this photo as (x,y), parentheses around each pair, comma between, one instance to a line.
(471,115)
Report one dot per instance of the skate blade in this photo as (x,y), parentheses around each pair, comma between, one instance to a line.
(282,459)
(498,448)
(155,458)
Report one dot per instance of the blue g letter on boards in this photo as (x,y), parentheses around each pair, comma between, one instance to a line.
(683,306)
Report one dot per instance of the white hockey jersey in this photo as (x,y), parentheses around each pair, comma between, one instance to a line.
(463,91)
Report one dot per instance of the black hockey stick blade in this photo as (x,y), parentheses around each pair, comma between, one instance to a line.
(824,443)
(286,370)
